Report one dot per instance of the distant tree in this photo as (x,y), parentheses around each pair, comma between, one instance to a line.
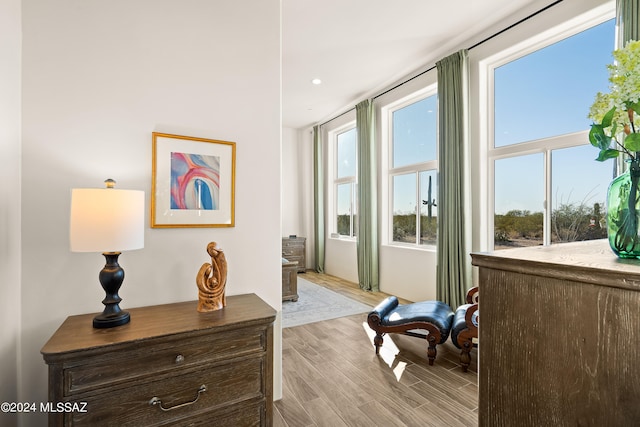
(344,225)
(518,224)
(572,222)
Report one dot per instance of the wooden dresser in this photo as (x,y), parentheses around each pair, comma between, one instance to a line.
(171,365)
(559,337)
(293,249)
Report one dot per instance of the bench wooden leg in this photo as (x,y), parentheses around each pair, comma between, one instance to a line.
(378,342)
(465,356)
(431,351)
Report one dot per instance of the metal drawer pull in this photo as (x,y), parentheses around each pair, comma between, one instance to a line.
(156,400)
(179,358)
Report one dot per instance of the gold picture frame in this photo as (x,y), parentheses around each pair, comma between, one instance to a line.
(193,182)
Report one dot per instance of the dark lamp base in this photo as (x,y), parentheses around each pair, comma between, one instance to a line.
(102,321)
(111,277)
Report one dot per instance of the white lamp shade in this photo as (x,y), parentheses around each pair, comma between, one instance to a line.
(106,220)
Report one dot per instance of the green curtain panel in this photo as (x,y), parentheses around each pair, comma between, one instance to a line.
(628,22)
(318,201)
(367,214)
(454,267)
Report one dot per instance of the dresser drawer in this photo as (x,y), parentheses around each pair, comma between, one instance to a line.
(297,247)
(254,414)
(228,385)
(294,258)
(158,357)
(288,251)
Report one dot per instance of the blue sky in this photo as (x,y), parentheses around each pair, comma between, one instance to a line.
(576,178)
(346,147)
(543,94)
(414,136)
(346,155)
(414,132)
(549,93)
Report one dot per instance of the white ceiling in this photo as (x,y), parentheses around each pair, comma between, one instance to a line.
(358,48)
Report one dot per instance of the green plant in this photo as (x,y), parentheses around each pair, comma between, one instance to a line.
(615,113)
(614,131)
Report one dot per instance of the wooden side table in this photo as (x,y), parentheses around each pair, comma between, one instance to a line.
(294,249)
(289,281)
(171,365)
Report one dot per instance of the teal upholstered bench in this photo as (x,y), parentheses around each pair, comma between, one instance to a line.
(430,320)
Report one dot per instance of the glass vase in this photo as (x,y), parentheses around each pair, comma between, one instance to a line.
(623,207)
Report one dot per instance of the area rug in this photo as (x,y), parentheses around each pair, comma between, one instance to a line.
(316,303)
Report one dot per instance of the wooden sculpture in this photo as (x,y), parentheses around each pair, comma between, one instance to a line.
(211,281)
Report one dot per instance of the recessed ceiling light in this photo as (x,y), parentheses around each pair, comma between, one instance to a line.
(316,81)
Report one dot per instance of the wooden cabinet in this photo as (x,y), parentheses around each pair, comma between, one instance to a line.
(171,365)
(289,281)
(558,341)
(293,249)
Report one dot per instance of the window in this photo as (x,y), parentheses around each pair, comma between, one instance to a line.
(413,171)
(579,196)
(345,183)
(519,214)
(547,187)
(414,133)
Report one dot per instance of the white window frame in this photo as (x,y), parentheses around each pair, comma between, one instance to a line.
(389,172)
(335,182)
(545,145)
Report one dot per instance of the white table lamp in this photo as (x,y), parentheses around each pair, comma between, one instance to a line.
(109,221)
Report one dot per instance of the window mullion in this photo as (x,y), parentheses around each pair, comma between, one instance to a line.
(548,205)
(418,206)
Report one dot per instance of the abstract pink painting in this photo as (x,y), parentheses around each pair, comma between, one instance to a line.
(195,181)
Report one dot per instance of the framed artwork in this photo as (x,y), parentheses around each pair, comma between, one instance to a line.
(193,182)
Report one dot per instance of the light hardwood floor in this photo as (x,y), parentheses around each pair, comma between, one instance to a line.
(332,376)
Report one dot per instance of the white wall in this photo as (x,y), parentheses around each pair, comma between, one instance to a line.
(297,187)
(292,194)
(408,273)
(100,77)
(341,259)
(10,47)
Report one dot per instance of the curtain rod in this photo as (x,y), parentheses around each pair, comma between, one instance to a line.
(526,18)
